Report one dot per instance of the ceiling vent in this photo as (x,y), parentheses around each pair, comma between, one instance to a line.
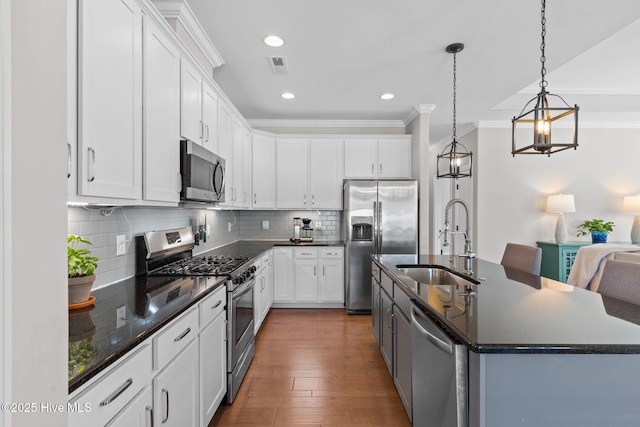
(278,65)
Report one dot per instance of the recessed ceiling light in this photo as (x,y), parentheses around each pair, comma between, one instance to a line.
(386,96)
(288,95)
(273,41)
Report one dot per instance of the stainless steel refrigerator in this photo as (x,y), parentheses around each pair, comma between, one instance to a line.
(380,217)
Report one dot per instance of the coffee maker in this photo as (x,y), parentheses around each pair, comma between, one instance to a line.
(302,231)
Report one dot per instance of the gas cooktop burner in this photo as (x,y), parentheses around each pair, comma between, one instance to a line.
(203,265)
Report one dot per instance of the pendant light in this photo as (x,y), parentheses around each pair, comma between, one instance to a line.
(455,161)
(542,114)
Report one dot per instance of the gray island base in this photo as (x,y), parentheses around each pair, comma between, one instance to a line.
(536,352)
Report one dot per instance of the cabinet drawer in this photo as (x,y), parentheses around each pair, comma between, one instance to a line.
(402,300)
(108,395)
(375,271)
(174,338)
(305,253)
(212,305)
(331,252)
(387,284)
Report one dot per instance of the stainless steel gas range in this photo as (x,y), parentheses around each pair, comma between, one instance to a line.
(172,271)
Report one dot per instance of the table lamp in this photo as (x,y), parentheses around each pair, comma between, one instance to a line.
(561,203)
(632,204)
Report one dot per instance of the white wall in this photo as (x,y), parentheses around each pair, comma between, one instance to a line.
(38,209)
(511,193)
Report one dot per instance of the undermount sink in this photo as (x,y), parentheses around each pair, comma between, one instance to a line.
(434,275)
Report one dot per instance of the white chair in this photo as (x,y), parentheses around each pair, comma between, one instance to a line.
(523,258)
(621,280)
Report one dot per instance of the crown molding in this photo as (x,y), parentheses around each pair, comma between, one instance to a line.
(180,10)
(417,110)
(327,123)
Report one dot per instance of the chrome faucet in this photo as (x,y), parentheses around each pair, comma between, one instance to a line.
(468,252)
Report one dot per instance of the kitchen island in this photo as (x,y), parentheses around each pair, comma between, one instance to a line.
(538,352)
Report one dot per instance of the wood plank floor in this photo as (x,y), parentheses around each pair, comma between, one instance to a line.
(315,368)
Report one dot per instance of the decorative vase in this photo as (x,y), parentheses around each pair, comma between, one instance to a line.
(599,237)
(80,288)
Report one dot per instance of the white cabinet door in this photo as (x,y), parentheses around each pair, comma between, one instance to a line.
(264,172)
(326,172)
(394,158)
(306,279)
(72,97)
(283,284)
(238,161)
(213,367)
(209,118)
(191,126)
(292,174)
(331,280)
(161,142)
(110,99)
(176,391)
(138,413)
(265,302)
(360,158)
(225,148)
(246,168)
(257,301)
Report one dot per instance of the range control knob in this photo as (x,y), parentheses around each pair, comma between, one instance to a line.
(238,280)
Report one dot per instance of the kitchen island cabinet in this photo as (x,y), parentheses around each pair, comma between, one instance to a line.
(538,352)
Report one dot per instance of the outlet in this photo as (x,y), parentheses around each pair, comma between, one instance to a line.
(121,245)
(208,230)
(121,316)
(229,227)
(318,224)
(265,225)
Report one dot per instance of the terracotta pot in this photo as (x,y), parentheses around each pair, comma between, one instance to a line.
(80,288)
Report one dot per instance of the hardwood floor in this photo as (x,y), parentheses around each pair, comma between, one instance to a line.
(315,368)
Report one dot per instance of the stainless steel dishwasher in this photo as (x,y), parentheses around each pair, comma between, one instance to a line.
(439,376)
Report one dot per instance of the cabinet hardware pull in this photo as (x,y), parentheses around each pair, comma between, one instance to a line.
(332,253)
(201,129)
(117,393)
(184,334)
(255,198)
(68,160)
(380,168)
(323,270)
(372,168)
(166,395)
(206,128)
(314,270)
(92,164)
(305,200)
(179,182)
(217,304)
(389,318)
(149,410)
(313,200)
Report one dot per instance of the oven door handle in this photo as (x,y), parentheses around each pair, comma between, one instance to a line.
(243,289)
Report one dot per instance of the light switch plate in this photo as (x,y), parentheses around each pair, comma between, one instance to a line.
(121,245)
(121,316)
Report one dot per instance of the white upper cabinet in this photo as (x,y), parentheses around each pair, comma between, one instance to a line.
(225,148)
(326,172)
(191,126)
(161,142)
(110,99)
(237,158)
(246,168)
(292,174)
(378,157)
(209,117)
(199,108)
(264,172)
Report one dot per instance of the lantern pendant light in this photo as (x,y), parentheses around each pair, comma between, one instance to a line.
(455,161)
(539,116)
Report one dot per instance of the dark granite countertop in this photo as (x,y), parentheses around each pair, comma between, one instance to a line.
(93,331)
(514,312)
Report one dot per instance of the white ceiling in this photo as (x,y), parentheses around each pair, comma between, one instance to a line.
(341,55)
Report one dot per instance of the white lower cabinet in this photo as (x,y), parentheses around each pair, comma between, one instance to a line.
(308,276)
(213,353)
(177,377)
(139,413)
(175,391)
(113,390)
(263,291)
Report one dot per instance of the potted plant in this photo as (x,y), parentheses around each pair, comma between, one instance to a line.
(80,268)
(597,228)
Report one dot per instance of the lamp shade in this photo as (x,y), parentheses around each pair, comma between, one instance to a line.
(560,203)
(631,204)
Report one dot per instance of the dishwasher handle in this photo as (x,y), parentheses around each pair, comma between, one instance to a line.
(447,347)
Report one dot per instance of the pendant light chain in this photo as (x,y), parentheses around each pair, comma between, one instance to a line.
(454,97)
(543,33)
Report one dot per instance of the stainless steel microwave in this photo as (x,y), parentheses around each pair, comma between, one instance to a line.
(203,174)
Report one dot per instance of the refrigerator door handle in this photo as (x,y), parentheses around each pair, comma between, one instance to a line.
(379,227)
(375,228)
